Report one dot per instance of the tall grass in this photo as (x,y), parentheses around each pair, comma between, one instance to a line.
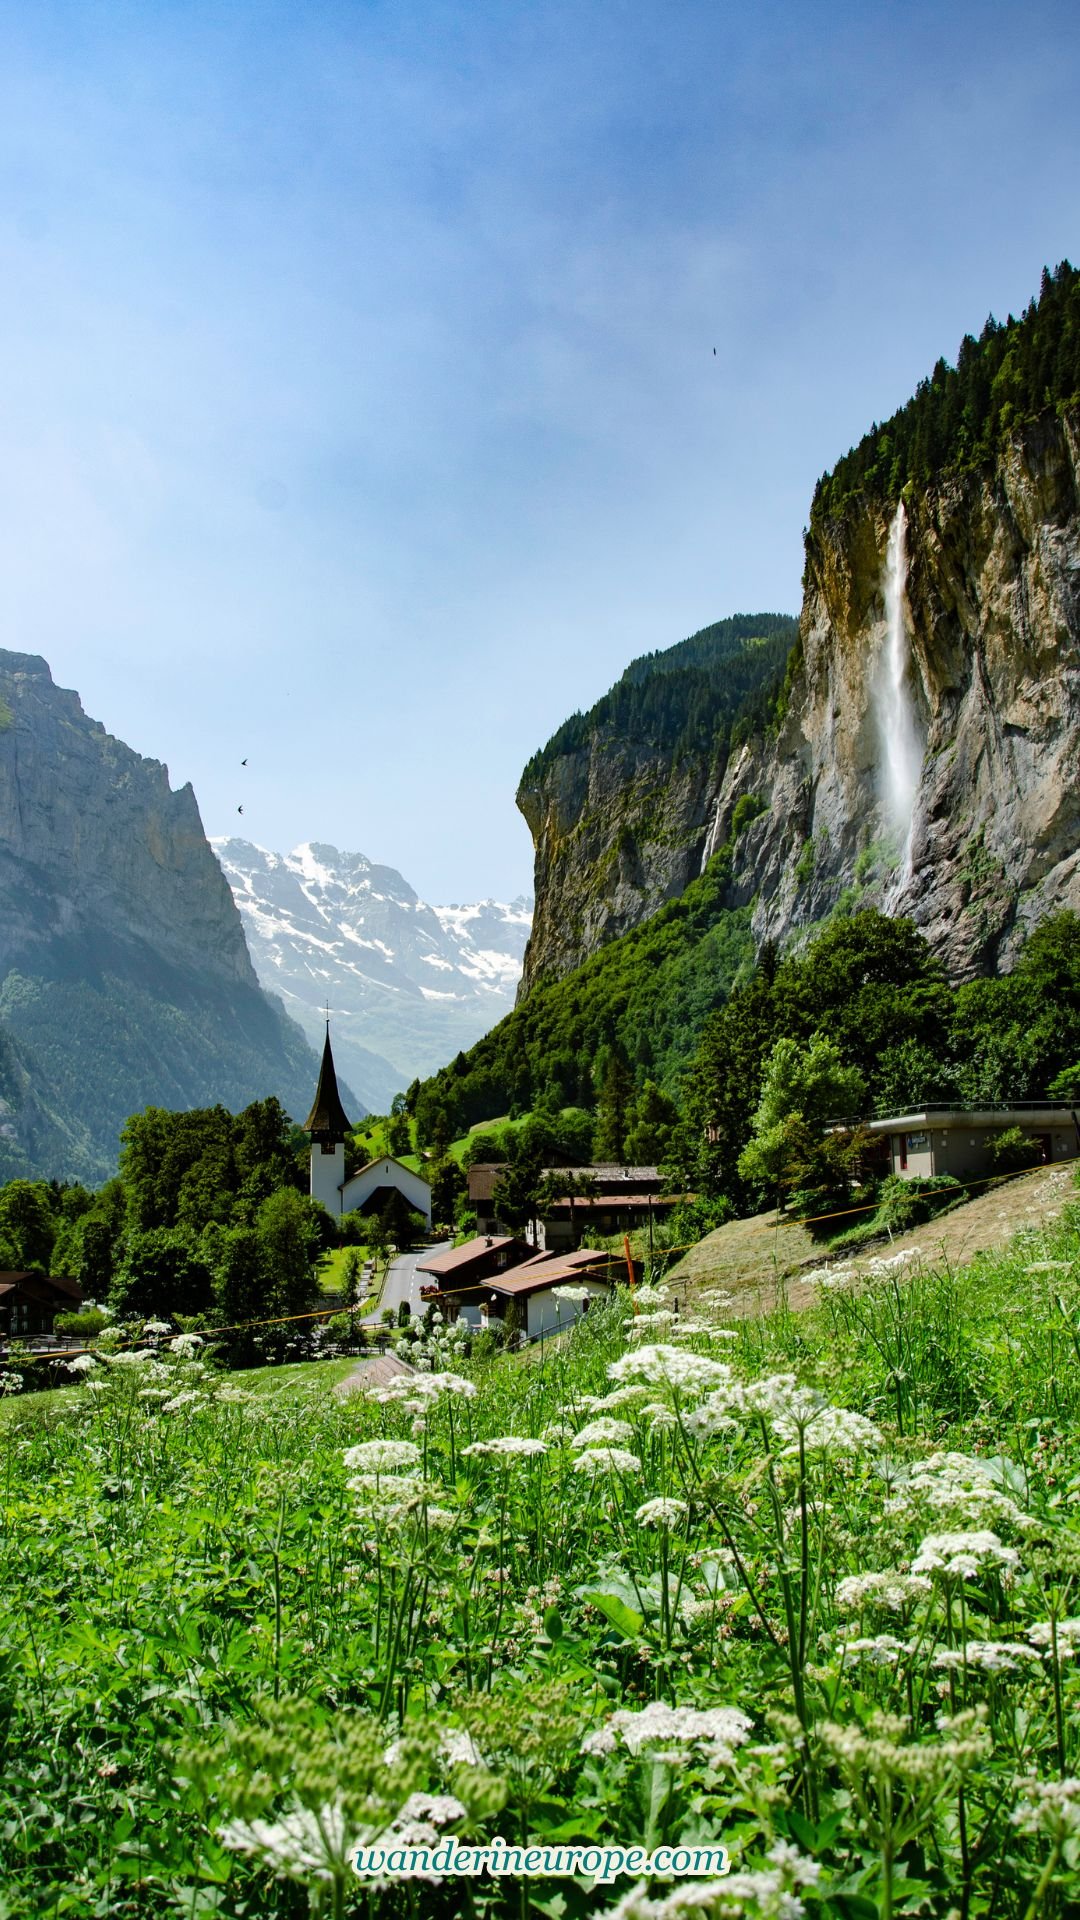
(805,1584)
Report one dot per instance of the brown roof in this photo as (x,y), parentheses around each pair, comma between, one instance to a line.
(460,1257)
(537,1279)
(580,1257)
(641,1200)
(35,1283)
(327,1116)
(482,1178)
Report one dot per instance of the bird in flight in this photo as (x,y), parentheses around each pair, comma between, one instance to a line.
(714,357)
(239,809)
(243,763)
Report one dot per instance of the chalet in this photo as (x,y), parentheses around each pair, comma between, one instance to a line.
(548,1293)
(933,1139)
(465,1268)
(29,1303)
(600,1199)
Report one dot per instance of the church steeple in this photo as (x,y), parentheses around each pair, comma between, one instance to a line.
(327,1122)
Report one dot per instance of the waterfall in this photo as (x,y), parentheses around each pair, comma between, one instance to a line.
(901,748)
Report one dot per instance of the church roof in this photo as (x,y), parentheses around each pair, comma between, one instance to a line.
(327,1113)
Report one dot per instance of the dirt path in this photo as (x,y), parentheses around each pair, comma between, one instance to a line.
(752,1258)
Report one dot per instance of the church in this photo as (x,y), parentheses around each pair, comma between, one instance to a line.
(367,1190)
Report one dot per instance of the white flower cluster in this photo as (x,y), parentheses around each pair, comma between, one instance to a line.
(1066,1633)
(891,1592)
(718,1730)
(989,1656)
(302,1844)
(508,1446)
(959,1487)
(1049,1806)
(185,1345)
(596,1461)
(383,1456)
(963,1556)
(661,1513)
(796,1416)
(604,1432)
(673,1367)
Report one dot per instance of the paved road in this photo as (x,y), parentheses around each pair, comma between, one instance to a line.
(404,1283)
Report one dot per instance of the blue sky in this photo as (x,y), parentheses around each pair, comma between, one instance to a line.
(359,407)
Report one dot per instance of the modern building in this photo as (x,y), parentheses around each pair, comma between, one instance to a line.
(364,1191)
(932,1139)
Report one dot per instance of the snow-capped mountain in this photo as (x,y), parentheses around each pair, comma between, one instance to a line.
(408,984)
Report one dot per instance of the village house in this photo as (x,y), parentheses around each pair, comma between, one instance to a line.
(29,1303)
(615,1200)
(491,1279)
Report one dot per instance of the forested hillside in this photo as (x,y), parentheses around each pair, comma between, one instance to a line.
(960,416)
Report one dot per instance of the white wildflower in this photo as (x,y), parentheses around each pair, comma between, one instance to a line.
(179,1401)
(962,1555)
(1049,1806)
(672,1367)
(508,1446)
(891,1591)
(661,1513)
(82,1363)
(882,1650)
(186,1345)
(650,1296)
(989,1656)
(131,1357)
(573,1294)
(303,1845)
(379,1456)
(720,1730)
(1066,1632)
(157,1328)
(598,1460)
(604,1432)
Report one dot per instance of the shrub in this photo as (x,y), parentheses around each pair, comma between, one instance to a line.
(1012,1150)
(85,1325)
(906,1203)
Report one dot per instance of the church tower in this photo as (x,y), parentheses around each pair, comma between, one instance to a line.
(327,1124)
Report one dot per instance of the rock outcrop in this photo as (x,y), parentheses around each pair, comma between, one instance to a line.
(125,979)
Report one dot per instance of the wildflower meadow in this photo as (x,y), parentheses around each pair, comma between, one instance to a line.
(807,1586)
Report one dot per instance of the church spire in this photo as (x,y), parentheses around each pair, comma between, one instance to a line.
(327,1120)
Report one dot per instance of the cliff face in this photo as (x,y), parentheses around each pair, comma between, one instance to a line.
(617,832)
(125,979)
(992,615)
(620,802)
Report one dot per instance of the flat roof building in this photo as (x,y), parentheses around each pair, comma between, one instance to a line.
(935,1139)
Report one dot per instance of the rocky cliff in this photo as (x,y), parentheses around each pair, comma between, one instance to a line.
(621,801)
(992,620)
(125,980)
